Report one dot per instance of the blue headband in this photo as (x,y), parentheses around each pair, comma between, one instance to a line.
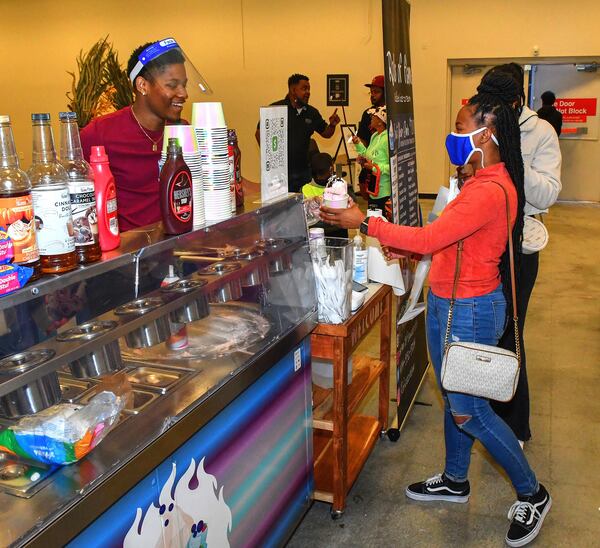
(150,53)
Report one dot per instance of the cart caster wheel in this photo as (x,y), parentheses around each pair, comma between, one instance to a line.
(382,434)
(393,434)
(336,514)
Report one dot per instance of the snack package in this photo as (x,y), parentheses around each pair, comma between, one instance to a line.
(63,433)
(13,277)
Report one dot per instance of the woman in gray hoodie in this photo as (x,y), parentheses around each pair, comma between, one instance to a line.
(542,161)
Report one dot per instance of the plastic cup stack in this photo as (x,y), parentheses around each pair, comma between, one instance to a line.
(211,136)
(191,155)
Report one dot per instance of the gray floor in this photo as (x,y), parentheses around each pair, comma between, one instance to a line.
(563,360)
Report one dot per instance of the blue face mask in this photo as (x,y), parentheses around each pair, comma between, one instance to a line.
(460,147)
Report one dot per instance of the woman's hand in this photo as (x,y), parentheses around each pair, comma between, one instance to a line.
(368,164)
(355,139)
(350,217)
(392,253)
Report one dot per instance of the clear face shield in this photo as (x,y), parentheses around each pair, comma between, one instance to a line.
(171,69)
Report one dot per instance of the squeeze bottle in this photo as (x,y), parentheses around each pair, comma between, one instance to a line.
(106,200)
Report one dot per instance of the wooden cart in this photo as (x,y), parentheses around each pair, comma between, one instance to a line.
(343,439)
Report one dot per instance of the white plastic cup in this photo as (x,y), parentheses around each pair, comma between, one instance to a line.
(208,115)
(336,204)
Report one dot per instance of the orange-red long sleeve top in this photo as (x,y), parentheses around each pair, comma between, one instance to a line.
(477,216)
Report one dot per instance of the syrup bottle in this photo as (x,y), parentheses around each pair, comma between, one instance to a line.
(81,190)
(16,205)
(175,188)
(51,202)
(106,200)
(232,142)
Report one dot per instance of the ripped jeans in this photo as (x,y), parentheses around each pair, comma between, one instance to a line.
(466,418)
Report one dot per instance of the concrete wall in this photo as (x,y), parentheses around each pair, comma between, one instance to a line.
(443,30)
(247,48)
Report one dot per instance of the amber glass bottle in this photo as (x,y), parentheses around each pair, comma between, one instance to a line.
(81,190)
(51,202)
(16,205)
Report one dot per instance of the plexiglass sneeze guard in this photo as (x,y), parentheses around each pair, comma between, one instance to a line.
(250,281)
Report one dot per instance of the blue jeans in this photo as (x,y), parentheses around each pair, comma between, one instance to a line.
(466,418)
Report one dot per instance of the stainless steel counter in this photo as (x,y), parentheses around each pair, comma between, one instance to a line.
(217,369)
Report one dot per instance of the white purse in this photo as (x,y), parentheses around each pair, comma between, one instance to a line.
(477,369)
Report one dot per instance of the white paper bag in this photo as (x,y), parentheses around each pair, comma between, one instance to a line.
(379,269)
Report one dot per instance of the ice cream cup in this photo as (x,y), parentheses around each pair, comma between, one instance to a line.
(341,203)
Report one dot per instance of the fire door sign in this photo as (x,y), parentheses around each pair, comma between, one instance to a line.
(579,114)
(576,111)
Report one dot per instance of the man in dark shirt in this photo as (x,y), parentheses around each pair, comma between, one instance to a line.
(377,100)
(549,113)
(303,121)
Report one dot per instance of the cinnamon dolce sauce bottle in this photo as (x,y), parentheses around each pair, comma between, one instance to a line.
(51,202)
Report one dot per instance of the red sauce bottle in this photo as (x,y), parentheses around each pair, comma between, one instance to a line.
(106,200)
(175,189)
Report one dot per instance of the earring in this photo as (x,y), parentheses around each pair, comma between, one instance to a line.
(144,93)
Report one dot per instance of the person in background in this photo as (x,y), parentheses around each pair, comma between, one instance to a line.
(375,159)
(133,136)
(549,113)
(377,100)
(487,139)
(322,169)
(542,159)
(303,121)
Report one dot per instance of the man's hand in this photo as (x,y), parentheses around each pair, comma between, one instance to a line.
(350,217)
(334,119)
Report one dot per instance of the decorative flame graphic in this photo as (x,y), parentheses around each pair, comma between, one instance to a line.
(189,514)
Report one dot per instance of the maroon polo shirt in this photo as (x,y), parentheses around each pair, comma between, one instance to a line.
(133,163)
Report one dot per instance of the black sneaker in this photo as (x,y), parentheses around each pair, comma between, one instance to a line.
(439,488)
(527,515)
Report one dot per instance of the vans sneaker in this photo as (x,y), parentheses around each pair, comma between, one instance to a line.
(527,516)
(439,488)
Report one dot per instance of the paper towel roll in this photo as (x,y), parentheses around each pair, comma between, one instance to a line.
(379,269)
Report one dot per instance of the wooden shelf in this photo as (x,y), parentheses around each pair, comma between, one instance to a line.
(363,432)
(342,438)
(365,373)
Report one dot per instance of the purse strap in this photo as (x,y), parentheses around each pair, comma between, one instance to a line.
(512,281)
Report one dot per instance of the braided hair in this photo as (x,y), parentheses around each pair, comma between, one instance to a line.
(493,104)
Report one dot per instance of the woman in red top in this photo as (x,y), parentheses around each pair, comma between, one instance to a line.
(487,138)
(133,136)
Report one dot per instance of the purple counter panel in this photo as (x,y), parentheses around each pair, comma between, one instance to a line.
(244,479)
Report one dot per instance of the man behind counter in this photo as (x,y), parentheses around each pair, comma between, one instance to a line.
(133,136)
(303,121)
(377,96)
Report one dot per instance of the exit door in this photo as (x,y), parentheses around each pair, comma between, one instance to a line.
(580,149)
(580,175)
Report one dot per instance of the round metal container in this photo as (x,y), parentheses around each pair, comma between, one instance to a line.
(154,332)
(192,310)
(273,244)
(34,396)
(101,361)
(235,252)
(256,276)
(220,269)
(282,262)
(230,290)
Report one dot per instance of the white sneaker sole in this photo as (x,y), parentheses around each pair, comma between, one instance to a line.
(432,498)
(527,539)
